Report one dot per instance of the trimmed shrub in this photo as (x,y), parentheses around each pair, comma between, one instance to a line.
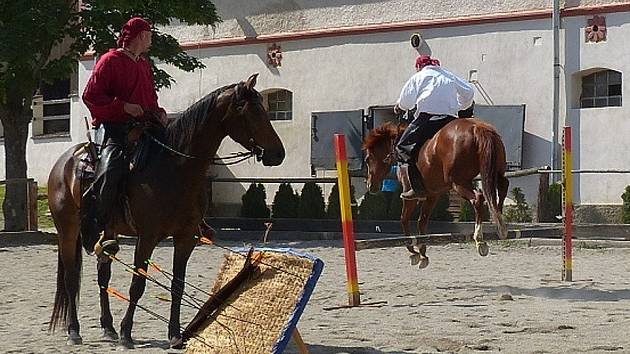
(395,206)
(285,202)
(372,207)
(625,211)
(311,205)
(254,202)
(440,212)
(466,211)
(553,201)
(519,212)
(333,208)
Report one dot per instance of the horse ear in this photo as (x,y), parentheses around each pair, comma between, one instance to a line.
(251,82)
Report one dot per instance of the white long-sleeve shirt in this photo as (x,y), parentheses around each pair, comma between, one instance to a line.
(435,90)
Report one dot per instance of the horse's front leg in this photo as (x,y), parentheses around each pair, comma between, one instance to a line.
(423,224)
(104,269)
(144,249)
(184,245)
(408,206)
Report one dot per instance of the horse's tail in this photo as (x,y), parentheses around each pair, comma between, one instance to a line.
(60,309)
(490,151)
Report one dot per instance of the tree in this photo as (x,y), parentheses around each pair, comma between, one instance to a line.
(333,209)
(311,204)
(30,29)
(255,202)
(285,202)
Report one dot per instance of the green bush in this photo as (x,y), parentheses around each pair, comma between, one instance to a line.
(372,207)
(285,202)
(311,205)
(440,212)
(625,211)
(519,212)
(254,202)
(332,210)
(466,211)
(553,203)
(395,207)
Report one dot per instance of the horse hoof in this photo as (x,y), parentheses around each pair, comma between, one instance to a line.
(110,333)
(176,342)
(424,263)
(74,338)
(126,343)
(483,249)
(415,259)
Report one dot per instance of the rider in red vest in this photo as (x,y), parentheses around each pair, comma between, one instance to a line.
(120,89)
(437,95)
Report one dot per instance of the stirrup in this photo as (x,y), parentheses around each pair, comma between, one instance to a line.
(412,195)
(106,248)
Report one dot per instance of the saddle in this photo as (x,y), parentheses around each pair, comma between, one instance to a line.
(139,149)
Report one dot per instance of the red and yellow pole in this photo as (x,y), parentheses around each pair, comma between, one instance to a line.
(567,187)
(346,220)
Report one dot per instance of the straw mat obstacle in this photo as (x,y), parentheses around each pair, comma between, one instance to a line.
(268,295)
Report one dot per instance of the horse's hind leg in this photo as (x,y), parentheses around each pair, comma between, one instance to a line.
(104,267)
(503,184)
(476,199)
(70,256)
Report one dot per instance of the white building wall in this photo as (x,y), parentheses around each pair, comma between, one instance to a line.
(513,62)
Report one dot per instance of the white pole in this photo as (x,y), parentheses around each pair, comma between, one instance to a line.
(556,83)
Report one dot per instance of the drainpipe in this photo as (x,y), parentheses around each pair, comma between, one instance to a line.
(556,83)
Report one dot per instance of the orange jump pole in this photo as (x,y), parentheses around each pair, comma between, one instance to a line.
(567,188)
(347,227)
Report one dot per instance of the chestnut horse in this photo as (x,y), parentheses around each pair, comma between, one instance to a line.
(455,155)
(166,198)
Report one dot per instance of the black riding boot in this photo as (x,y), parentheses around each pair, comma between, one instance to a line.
(412,182)
(104,193)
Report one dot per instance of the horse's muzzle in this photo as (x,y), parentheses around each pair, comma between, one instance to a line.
(272,157)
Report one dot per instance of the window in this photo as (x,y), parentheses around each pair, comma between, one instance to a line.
(279,104)
(601,89)
(52,116)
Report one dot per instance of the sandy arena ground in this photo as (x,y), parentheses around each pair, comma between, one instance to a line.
(508,302)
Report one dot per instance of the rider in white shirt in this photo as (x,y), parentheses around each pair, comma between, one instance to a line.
(437,95)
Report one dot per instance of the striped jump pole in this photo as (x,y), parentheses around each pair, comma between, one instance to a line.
(346,220)
(567,189)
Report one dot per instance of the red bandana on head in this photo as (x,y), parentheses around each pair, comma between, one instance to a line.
(425,60)
(132,29)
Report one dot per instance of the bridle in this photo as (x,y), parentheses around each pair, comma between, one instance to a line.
(232,158)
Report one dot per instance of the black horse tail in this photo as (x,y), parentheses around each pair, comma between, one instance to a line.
(60,309)
(490,146)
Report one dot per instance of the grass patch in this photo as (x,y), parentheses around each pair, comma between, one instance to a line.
(44,218)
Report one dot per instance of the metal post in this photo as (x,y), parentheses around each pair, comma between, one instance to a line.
(567,188)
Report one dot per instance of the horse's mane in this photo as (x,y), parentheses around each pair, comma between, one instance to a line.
(383,133)
(180,132)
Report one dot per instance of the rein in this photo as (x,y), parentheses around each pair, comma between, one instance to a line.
(235,156)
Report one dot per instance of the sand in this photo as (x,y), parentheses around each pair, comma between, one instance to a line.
(510,302)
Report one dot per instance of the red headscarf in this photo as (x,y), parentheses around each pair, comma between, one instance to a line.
(425,60)
(132,29)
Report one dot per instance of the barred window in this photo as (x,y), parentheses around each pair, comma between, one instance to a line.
(601,89)
(279,104)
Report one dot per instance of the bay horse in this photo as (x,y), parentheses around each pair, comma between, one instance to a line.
(451,159)
(166,198)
